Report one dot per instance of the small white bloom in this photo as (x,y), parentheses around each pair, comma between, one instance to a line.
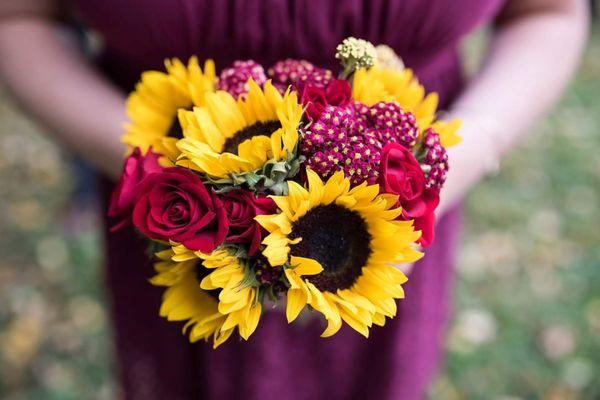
(388,58)
(356,53)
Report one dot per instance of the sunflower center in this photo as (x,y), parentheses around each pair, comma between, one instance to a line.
(175,130)
(267,276)
(338,239)
(201,272)
(256,129)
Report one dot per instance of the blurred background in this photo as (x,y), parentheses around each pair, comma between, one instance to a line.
(527,304)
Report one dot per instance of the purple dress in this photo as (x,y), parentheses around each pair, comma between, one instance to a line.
(280,361)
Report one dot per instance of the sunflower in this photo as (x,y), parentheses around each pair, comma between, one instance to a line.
(184,300)
(400,85)
(338,245)
(230,137)
(213,303)
(152,107)
(238,300)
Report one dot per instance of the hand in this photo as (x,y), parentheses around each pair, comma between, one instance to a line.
(475,156)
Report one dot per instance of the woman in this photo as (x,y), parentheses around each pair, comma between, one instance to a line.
(535,47)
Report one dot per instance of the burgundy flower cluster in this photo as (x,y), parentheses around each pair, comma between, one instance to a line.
(235,79)
(373,144)
(297,74)
(436,158)
(335,142)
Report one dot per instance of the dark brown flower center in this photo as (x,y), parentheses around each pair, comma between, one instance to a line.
(175,130)
(256,129)
(264,272)
(338,239)
(201,272)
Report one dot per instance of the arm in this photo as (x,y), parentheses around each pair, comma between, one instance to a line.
(534,52)
(56,85)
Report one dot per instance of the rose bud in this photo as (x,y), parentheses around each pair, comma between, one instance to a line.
(313,98)
(242,206)
(316,99)
(338,93)
(402,175)
(122,200)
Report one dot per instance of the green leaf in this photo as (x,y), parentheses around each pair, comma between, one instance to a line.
(270,179)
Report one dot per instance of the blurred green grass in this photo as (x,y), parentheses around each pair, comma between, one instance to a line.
(527,322)
(527,319)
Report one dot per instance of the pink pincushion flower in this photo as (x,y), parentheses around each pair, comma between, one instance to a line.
(435,157)
(332,143)
(298,74)
(234,80)
(394,124)
(350,137)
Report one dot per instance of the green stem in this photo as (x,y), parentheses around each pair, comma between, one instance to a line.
(347,72)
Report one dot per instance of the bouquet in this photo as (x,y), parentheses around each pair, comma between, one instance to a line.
(282,184)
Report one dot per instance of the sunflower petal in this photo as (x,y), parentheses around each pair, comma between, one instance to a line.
(305,266)
(296,300)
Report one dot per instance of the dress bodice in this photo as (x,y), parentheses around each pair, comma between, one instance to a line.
(140,34)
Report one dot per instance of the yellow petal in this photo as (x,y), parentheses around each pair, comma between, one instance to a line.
(333,326)
(305,266)
(296,300)
(251,320)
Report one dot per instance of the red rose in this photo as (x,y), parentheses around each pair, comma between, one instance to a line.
(175,205)
(402,175)
(136,167)
(338,93)
(241,207)
(315,99)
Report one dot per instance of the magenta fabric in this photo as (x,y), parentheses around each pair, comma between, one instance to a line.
(280,361)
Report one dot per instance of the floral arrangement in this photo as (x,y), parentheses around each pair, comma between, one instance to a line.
(286,183)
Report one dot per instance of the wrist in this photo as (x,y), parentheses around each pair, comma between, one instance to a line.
(481,135)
